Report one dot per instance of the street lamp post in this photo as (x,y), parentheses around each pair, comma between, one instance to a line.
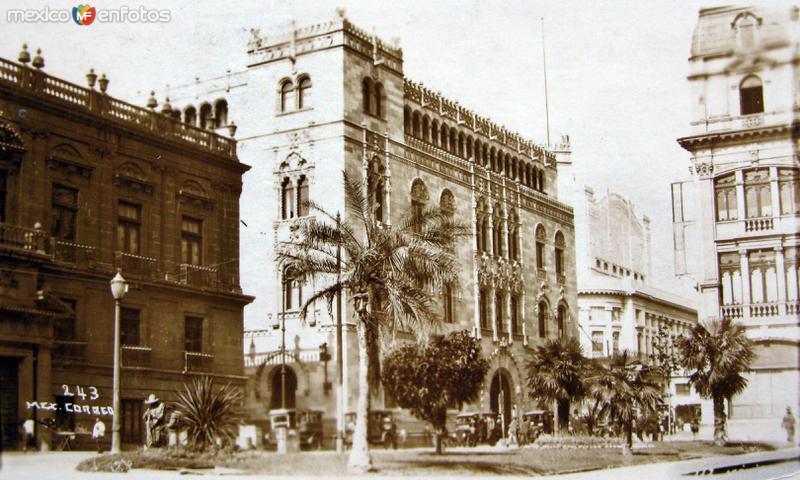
(119,287)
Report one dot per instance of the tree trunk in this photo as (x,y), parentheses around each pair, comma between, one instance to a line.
(360,460)
(438,443)
(628,443)
(563,416)
(720,422)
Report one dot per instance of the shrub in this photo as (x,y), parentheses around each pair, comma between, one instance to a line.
(575,442)
(211,416)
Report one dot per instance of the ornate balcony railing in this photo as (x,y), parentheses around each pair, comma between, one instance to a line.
(135,356)
(70,350)
(793,307)
(197,362)
(764,309)
(136,265)
(31,81)
(758,224)
(26,240)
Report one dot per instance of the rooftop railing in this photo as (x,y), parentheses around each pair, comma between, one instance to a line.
(36,82)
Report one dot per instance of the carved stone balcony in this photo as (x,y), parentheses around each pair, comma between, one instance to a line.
(136,265)
(135,356)
(21,240)
(197,362)
(764,309)
(730,311)
(793,307)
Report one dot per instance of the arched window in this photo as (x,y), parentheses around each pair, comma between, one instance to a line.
(406,120)
(499,307)
(376,185)
(560,245)
(205,116)
(426,128)
(452,148)
(419,197)
(435,133)
(190,116)
(278,398)
(757,193)
(541,181)
(304,93)
(751,96)
(292,290)
(746,26)
(221,113)
(302,197)
(482,226)
(287,199)
(287,96)
(447,202)
(417,125)
(562,320)
(541,235)
(513,235)
(497,237)
(542,319)
(366,94)
(725,190)
(483,309)
(444,137)
(377,101)
(516,325)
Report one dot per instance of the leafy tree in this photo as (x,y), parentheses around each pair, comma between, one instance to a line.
(626,389)
(717,354)
(388,272)
(428,378)
(209,415)
(556,370)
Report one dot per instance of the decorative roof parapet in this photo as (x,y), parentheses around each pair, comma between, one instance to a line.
(427,98)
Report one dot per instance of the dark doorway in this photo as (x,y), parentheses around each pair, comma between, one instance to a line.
(500,396)
(9,408)
(132,411)
(291,386)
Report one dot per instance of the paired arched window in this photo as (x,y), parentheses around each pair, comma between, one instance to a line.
(294,198)
(497,237)
(751,95)
(482,226)
(293,97)
(447,203)
(372,97)
(419,198)
(562,320)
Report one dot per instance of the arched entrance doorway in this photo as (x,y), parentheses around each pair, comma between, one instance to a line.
(500,400)
(291,388)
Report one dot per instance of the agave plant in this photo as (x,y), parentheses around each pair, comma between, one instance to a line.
(210,415)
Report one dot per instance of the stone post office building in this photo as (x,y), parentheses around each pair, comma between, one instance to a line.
(90,184)
(318,100)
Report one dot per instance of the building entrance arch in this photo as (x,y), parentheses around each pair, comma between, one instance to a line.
(500,395)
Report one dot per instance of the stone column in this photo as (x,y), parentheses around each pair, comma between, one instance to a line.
(523,319)
(493,311)
(508,317)
(774,192)
(741,213)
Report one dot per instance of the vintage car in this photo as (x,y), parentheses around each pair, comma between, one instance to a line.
(307,423)
(381,428)
(539,422)
(473,428)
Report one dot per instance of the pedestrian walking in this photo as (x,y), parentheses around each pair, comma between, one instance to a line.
(98,432)
(28,439)
(511,439)
(789,425)
(695,427)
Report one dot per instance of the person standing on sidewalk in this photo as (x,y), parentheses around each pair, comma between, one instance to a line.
(789,424)
(98,432)
(28,434)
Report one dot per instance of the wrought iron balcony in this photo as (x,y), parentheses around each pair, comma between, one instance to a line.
(136,265)
(195,276)
(71,253)
(197,362)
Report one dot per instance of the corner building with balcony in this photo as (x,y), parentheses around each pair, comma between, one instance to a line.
(90,184)
(332,98)
(744,162)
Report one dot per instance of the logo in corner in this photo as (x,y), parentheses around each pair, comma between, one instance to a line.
(83,14)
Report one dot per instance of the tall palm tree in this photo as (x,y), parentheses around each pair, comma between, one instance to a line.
(388,272)
(626,388)
(555,374)
(717,354)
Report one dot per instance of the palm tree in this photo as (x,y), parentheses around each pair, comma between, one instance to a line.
(555,374)
(625,388)
(717,354)
(388,272)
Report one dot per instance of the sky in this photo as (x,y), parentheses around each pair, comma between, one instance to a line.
(616,75)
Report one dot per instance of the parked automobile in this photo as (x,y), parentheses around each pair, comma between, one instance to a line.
(307,423)
(381,428)
(539,422)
